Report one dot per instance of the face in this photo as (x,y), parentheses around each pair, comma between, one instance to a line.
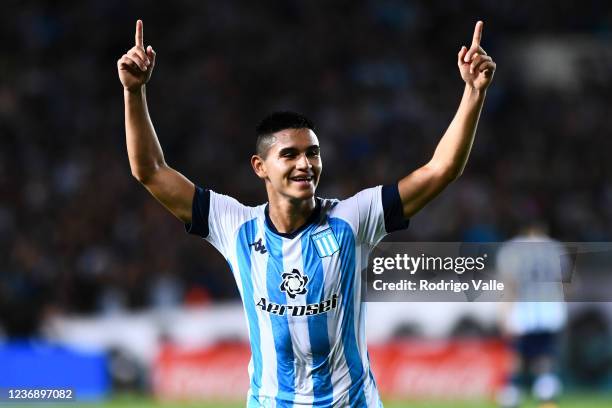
(292,166)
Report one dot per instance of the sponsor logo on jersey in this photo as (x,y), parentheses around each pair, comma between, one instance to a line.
(294,283)
(298,310)
(325,242)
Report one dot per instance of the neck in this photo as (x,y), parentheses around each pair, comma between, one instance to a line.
(288,215)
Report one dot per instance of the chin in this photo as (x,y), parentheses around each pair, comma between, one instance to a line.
(304,194)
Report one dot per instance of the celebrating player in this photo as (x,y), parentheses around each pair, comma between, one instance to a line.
(297,258)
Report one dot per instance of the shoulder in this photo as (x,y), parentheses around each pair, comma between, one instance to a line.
(366,197)
(356,209)
(215,215)
(224,202)
(375,206)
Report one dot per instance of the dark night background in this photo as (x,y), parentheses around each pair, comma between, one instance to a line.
(378,78)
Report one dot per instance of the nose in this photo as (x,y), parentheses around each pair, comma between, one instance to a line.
(303,163)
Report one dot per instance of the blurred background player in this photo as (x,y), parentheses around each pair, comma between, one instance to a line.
(532,266)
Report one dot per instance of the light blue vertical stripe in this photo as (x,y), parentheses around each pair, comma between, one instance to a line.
(317,325)
(347,288)
(325,242)
(280,326)
(321,249)
(246,235)
(334,244)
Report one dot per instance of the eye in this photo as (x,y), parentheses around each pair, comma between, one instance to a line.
(288,154)
(314,153)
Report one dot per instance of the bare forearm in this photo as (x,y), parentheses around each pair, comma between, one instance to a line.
(144,151)
(422,185)
(454,148)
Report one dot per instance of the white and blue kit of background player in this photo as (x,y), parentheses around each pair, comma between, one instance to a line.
(302,293)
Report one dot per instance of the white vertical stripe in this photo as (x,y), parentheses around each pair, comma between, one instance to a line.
(233,260)
(361,261)
(326,244)
(359,307)
(340,376)
(369,390)
(332,242)
(298,327)
(269,379)
(320,246)
(371,393)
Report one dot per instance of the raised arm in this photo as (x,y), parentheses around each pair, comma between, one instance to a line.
(146,157)
(453,150)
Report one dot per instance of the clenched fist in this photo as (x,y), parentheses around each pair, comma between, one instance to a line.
(475,66)
(136,66)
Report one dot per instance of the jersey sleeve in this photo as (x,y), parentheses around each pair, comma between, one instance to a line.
(216,217)
(374,213)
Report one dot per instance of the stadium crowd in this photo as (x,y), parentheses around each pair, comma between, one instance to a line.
(379,79)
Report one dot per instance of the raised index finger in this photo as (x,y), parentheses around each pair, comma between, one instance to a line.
(139,35)
(477,33)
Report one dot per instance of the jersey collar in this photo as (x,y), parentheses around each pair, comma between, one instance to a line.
(314,216)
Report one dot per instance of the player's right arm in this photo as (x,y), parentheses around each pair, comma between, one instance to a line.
(147,163)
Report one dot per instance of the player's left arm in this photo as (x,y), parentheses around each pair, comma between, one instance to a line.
(453,150)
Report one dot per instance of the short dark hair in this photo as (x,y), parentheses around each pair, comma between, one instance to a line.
(275,122)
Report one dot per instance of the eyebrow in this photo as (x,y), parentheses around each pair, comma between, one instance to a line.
(286,150)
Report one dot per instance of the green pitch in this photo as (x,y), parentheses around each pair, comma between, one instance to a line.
(569,401)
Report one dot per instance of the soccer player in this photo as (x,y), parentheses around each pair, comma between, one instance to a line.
(532,265)
(297,258)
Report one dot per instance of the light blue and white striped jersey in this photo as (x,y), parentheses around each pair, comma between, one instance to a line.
(302,293)
(534,266)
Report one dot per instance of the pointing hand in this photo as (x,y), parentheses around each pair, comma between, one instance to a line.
(136,66)
(476,67)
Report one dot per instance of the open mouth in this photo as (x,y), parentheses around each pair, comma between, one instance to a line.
(302,179)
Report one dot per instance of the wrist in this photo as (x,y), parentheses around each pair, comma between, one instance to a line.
(137,91)
(475,93)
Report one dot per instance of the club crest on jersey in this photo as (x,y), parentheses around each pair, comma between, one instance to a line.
(294,283)
(325,242)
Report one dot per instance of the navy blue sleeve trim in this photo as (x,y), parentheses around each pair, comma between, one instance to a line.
(199,213)
(393,209)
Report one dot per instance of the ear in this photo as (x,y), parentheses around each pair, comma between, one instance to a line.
(259,166)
